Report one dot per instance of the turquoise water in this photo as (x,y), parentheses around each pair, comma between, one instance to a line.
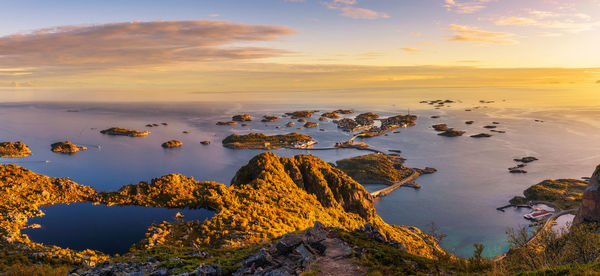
(461,198)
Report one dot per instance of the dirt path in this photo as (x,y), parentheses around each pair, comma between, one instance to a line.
(337,260)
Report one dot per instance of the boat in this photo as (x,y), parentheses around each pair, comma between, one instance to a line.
(537,214)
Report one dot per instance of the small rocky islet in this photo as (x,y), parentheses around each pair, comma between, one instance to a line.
(171,144)
(117,131)
(14,150)
(66,147)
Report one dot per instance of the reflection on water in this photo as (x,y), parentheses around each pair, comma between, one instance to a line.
(107,229)
(461,198)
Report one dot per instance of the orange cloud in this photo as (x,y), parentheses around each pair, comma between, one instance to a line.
(464,33)
(137,43)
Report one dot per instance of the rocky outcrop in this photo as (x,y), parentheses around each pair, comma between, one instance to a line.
(229,123)
(172,144)
(310,124)
(589,211)
(481,135)
(440,127)
(268,118)
(451,133)
(14,149)
(66,147)
(301,114)
(242,118)
(297,253)
(117,131)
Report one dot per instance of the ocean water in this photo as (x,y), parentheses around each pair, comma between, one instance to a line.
(461,198)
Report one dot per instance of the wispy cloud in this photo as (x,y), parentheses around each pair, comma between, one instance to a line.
(465,7)
(408,49)
(464,33)
(348,9)
(137,43)
(565,22)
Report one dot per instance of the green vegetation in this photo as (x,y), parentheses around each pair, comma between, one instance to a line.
(124,132)
(375,168)
(261,141)
(14,149)
(564,193)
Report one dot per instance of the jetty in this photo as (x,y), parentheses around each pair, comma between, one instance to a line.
(404,182)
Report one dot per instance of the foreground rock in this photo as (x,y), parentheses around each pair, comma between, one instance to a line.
(117,131)
(66,147)
(317,249)
(172,144)
(14,150)
(564,193)
(590,204)
(261,141)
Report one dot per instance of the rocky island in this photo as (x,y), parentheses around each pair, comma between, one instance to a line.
(242,118)
(268,118)
(261,141)
(66,147)
(310,124)
(375,168)
(172,144)
(14,150)
(228,123)
(117,131)
(301,114)
(451,133)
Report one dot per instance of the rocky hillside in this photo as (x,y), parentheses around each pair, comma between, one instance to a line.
(267,198)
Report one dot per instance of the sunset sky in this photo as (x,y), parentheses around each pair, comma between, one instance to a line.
(298,44)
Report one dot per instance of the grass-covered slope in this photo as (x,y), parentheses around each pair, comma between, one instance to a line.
(375,168)
(564,193)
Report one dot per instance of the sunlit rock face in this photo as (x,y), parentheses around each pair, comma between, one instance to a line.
(590,204)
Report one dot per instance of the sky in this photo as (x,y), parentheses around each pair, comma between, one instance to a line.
(226,45)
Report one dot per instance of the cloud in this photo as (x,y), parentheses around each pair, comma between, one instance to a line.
(137,43)
(214,15)
(348,9)
(565,22)
(464,33)
(465,7)
(411,49)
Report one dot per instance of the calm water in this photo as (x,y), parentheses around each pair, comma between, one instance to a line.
(461,198)
(107,229)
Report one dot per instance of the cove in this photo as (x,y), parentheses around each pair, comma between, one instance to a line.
(109,229)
